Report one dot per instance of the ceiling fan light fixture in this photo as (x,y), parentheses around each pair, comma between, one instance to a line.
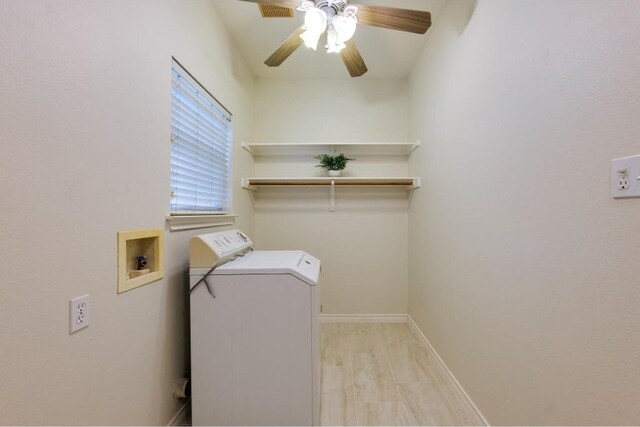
(305,5)
(345,27)
(311,39)
(315,20)
(339,20)
(333,44)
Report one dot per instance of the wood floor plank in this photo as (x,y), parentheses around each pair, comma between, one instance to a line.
(463,416)
(366,337)
(377,359)
(367,376)
(335,351)
(385,414)
(336,377)
(380,374)
(337,408)
(410,363)
(396,333)
(373,392)
(426,405)
(373,378)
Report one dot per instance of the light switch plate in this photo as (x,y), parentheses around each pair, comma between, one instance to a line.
(625,177)
(79,313)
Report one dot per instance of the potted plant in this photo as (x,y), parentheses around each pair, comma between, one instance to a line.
(334,165)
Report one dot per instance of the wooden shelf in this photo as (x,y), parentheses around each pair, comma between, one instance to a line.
(405,183)
(316,148)
(409,183)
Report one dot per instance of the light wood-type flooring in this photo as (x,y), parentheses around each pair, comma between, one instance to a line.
(380,374)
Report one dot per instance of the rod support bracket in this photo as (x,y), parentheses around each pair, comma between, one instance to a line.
(332,196)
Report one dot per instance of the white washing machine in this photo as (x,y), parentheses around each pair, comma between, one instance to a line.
(254,333)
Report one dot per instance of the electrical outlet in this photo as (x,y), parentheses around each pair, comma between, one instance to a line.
(625,177)
(623,182)
(79,313)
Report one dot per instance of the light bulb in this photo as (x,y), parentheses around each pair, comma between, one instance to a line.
(345,27)
(315,20)
(333,44)
(311,39)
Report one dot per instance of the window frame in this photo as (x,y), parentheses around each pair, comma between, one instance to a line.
(181,220)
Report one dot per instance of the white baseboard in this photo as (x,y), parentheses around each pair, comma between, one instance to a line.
(180,418)
(363,318)
(476,417)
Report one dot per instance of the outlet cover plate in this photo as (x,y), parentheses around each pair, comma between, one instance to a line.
(625,177)
(79,313)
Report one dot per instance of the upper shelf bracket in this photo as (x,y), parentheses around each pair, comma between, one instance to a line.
(244,183)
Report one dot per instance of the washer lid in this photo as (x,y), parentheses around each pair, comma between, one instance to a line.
(297,263)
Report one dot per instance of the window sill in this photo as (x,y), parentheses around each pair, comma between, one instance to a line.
(189,222)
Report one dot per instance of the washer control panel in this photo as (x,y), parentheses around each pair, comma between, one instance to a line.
(207,250)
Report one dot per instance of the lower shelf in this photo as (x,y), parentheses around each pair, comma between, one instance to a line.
(409,183)
(406,183)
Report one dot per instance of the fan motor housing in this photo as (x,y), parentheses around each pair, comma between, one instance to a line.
(331,8)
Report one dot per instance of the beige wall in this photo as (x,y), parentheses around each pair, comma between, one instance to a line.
(363,245)
(85,108)
(522,267)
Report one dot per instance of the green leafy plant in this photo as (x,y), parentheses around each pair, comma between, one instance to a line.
(332,163)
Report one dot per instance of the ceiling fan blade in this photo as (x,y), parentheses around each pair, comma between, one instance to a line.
(412,21)
(353,60)
(288,47)
(292,4)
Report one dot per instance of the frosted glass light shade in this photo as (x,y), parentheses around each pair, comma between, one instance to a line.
(333,44)
(311,39)
(345,27)
(315,20)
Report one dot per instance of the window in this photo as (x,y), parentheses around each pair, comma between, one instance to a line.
(201,141)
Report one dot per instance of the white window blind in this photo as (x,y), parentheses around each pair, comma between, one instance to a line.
(201,140)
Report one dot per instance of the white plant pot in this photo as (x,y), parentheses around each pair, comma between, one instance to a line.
(335,173)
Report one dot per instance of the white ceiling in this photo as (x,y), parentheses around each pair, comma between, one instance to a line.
(387,53)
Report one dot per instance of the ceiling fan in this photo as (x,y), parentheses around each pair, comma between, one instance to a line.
(339,19)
